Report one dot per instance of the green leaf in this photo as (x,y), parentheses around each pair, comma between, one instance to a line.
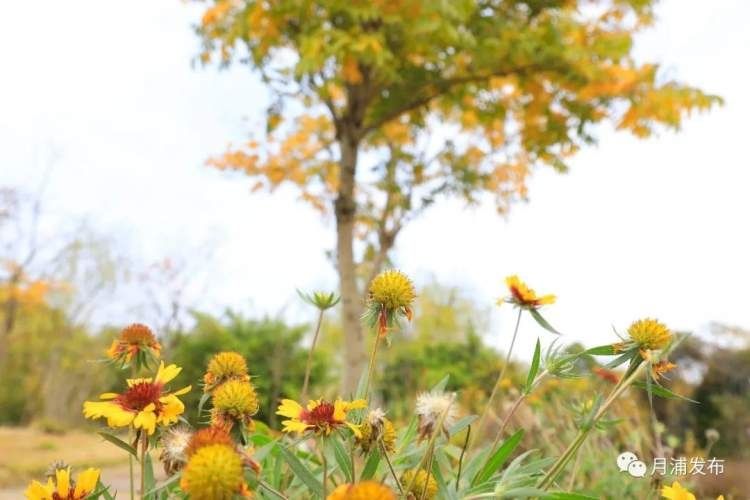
(534,369)
(462,424)
(561,495)
(622,358)
(301,471)
(202,402)
(498,458)
(166,483)
(118,442)
(663,392)
(542,322)
(149,482)
(602,350)
(371,466)
(343,459)
(440,386)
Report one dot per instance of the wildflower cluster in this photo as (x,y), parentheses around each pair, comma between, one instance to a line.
(431,457)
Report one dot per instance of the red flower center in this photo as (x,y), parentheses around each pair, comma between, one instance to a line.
(320,416)
(139,396)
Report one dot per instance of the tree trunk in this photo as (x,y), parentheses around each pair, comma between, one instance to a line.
(351,304)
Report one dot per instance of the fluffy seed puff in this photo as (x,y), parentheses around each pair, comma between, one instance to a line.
(436,411)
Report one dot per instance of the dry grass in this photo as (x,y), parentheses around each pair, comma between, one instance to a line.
(27,452)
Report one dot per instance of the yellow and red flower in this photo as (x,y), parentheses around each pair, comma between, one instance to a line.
(144,405)
(63,488)
(320,417)
(523,296)
(134,340)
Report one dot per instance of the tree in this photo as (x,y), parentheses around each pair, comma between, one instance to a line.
(379,107)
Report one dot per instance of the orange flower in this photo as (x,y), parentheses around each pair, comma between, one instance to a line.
(523,296)
(133,342)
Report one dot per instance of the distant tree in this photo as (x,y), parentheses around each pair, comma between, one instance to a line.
(380,107)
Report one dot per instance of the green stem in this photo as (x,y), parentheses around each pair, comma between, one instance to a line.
(573,447)
(132,472)
(130,457)
(308,368)
(144,448)
(461,458)
(493,394)
(272,490)
(390,466)
(428,470)
(370,368)
(515,407)
(325,467)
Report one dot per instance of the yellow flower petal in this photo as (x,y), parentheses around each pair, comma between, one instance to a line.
(294,426)
(62,478)
(166,374)
(146,420)
(182,391)
(289,408)
(108,395)
(133,381)
(355,429)
(86,482)
(115,415)
(171,410)
(37,491)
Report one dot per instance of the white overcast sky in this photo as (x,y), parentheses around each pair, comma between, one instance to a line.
(657,227)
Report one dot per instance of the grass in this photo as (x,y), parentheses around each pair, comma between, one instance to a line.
(28,452)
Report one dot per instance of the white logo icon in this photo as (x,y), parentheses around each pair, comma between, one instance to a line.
(637,469)
(628,462)
(625,459)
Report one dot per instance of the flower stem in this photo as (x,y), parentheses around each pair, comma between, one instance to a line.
(130,456)
(573,447)
(370,368)
(390,466)
(272,490)
(428,471)
(132,472)
(516,405)
(461,458)
(488,408)
(324,462)
(308,368)
(144,448)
